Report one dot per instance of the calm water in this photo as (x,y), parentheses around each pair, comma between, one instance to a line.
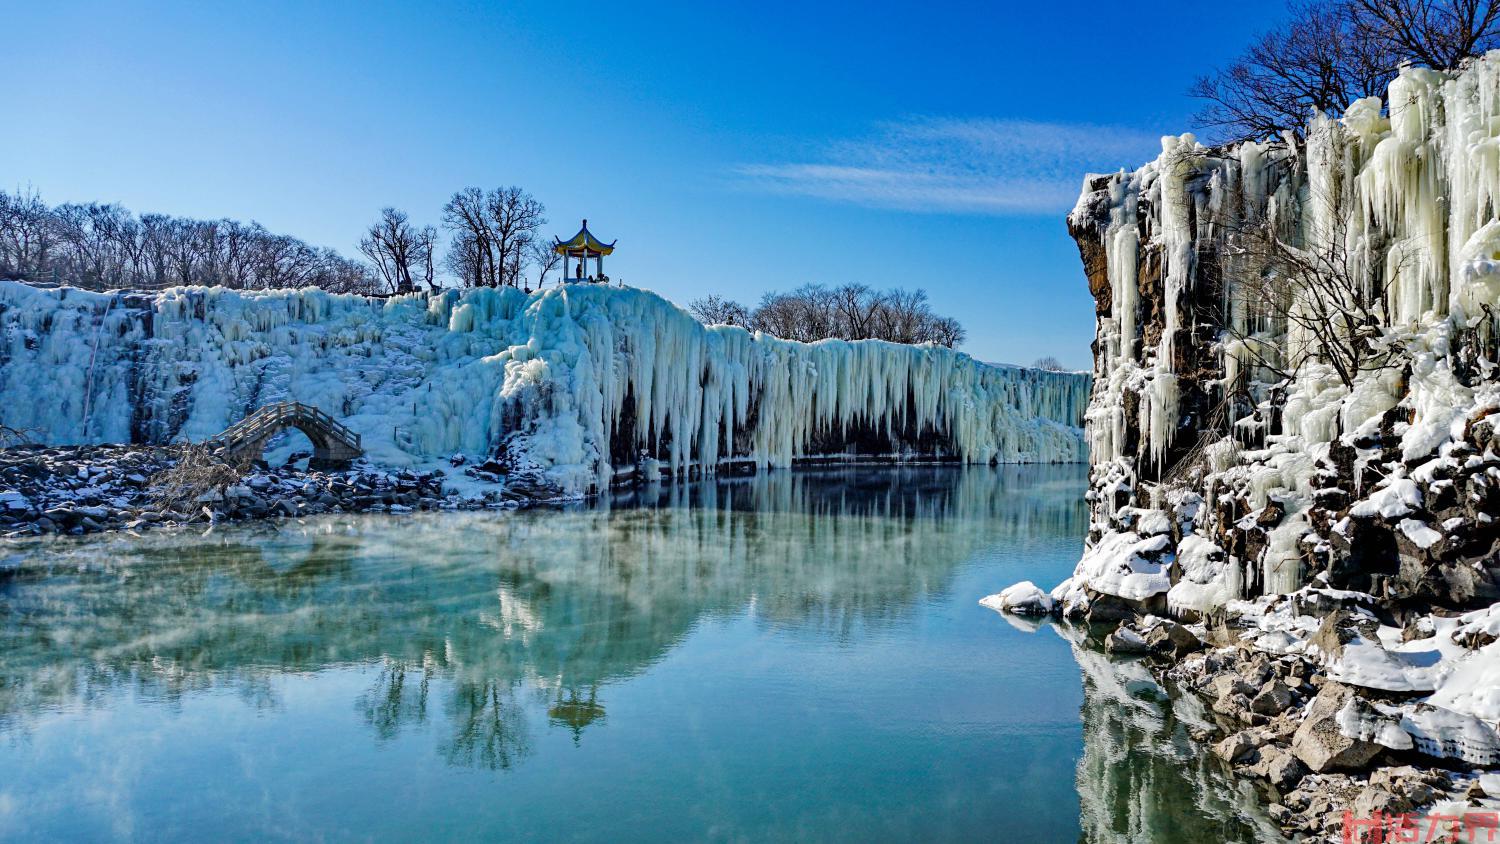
(794,656)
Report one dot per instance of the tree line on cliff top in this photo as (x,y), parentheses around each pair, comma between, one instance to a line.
(1330,53)
(848,312)
(493,239)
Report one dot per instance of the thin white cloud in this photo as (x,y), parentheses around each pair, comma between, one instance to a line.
(958,166)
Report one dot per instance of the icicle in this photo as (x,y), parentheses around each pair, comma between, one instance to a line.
(569,372)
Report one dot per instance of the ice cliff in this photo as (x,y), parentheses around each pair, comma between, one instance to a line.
(568,386)
(1296,384)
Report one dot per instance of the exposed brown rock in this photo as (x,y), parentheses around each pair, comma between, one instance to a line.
(1320,745)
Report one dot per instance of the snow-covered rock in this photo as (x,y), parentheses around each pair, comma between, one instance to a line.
(1024,598)
(1127,566)
(1378,477)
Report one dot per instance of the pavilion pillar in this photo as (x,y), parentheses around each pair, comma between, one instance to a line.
(599,265)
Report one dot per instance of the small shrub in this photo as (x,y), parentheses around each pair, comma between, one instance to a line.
(197,471)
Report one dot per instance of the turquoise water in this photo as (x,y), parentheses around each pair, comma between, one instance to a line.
(796,656)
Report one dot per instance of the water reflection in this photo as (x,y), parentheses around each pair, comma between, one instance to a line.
(1141,777)
(475,620)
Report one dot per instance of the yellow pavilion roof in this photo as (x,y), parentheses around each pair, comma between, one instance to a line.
(584,240)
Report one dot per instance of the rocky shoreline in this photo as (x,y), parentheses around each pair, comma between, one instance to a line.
(1330,758)
(74,490)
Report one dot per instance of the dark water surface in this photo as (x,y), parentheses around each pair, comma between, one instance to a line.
(796,656)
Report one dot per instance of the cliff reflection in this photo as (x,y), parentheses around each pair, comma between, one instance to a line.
(1141,777)
(481,618)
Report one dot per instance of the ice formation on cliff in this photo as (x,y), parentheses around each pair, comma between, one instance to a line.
(1408,193)
(1233,464)
(570,382)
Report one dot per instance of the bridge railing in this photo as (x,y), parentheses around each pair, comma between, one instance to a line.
(274,417)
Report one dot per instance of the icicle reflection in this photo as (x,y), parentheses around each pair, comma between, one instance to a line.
(466,615)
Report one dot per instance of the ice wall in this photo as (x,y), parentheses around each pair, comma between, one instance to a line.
(571,383)
(1198,377)
(1402,192)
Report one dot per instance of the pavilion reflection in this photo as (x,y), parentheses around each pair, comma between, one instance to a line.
(484,620)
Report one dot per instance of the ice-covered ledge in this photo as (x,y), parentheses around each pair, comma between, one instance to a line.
(567,384)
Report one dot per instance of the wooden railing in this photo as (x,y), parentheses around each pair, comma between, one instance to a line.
(274,418)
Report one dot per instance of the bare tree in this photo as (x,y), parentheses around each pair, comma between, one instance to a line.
(185,244)
(1322,60)
(398,250)
(1299,304)
(28,234)
(471,257)
(717,310)
(154,258)
(104,246)
(491,234)
(857,307)
(1049,363)
(1436,33)
(806,314)
(515,217)
(946,331)
(851,312)
(427,252)
(544,257)
(1333,52)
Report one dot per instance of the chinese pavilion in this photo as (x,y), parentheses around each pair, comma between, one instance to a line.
(576,252)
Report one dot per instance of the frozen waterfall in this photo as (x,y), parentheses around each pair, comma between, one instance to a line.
(573,383)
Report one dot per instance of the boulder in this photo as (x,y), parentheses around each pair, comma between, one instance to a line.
(1418,628)
(1239,747)
(1172,639)
(1341,627)
(1024,598)
(1233,704)
(13,501)
(1278,765)
(1400,789)
(1229,682)
(1273,699)
(1125,641)
(63,516)
(1320,744)
(1104,608)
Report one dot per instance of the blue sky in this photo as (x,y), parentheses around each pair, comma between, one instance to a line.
(731,148)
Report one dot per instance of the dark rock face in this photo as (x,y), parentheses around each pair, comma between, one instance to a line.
(1087,233)
(1196,317)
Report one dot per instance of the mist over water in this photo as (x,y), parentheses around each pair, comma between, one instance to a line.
(797,655)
